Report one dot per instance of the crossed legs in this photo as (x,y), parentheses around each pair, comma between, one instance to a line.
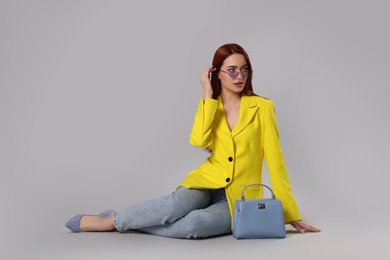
(185,213)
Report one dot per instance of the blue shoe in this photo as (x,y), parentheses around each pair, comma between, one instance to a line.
(74,223)
(106,213)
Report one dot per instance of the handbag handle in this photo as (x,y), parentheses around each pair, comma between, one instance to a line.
(256,184)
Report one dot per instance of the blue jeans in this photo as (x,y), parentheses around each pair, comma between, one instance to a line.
(185,213)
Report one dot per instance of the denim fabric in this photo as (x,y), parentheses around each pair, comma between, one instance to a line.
(185,213)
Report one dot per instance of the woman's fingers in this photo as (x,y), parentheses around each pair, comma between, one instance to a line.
(297,227)
(205,81)
(301,227)
(312,229)
(206,73)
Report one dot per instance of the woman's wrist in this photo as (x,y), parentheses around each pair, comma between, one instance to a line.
(208,95)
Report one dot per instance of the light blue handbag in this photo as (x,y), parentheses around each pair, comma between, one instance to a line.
(258,218)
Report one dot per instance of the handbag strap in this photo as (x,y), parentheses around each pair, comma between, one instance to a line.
(256,184)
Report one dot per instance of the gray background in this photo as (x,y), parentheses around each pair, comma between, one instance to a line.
(97,100)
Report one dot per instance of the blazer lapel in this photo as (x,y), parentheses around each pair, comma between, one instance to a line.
(248,108)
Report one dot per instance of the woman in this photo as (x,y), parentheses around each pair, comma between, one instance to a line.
(239,129)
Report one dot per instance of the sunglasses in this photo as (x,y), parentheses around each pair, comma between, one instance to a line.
(233,73)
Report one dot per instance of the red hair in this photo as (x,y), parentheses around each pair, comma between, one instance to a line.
(220,55)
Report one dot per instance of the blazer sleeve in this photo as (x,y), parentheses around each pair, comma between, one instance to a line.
(201,129)
(277,168)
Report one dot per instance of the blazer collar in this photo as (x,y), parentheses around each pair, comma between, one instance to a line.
(248,108)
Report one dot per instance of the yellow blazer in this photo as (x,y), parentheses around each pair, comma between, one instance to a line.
(237,156)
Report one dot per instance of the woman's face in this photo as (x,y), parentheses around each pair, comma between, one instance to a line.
(233,73)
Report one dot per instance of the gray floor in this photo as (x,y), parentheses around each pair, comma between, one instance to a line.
(339,239)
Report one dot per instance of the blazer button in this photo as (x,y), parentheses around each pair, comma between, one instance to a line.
(227,179)
(230,159)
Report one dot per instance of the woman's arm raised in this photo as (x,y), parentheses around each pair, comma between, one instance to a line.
(205,82)
(201,129)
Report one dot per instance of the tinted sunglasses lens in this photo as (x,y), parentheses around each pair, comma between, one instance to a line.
(245,73)
(233,74)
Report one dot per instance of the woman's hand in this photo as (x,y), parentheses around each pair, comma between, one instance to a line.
(301,227)
(205,81)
